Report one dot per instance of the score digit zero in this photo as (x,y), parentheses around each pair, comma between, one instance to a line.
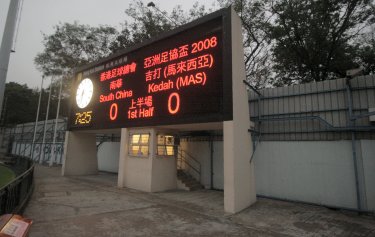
(177,106)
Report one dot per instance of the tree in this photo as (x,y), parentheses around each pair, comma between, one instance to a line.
(146,22)
(73,45)
(366,57)
(256,18)
(19,104)
(366,48)
(313,40)
(285,41)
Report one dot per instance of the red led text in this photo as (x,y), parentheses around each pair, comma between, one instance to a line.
(116,84)
(166,56)
(204,61)
(118,95)
(141,108)
(191,80)
(204,44)
(117,72)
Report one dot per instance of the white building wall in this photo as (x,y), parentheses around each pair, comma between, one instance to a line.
(164,175)
(319,172)
(108,156)
(368,156)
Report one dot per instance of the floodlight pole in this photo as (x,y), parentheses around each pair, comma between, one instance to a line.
(6,46)
(41,157)
(36,120)
(53,154)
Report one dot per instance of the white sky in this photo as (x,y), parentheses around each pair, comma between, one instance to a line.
(41,15)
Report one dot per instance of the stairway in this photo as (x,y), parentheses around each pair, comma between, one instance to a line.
(189,182)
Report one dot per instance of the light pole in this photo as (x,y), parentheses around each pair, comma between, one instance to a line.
(41,157)
(151,4)
(36,120)
(6,45)
(53,154)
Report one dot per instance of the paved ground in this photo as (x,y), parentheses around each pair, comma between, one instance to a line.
(93,206)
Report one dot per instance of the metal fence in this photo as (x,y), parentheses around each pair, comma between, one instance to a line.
(14,196)
(328,110)
(21,140)
(18,140)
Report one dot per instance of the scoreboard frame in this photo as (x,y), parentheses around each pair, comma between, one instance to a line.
(102,114)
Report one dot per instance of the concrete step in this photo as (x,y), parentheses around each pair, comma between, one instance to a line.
(190,182)
(186,177)
(194,187)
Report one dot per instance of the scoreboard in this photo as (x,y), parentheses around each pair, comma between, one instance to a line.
(181,77)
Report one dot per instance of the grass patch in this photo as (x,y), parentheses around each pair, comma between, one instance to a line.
(6,175)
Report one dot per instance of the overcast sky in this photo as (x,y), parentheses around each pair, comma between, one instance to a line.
(41,15)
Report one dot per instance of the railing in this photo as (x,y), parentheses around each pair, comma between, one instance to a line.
(189,164)
(14,195)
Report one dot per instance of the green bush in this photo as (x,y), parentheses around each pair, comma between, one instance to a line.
(6,175)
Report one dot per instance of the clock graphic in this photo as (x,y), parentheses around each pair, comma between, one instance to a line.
(84,93)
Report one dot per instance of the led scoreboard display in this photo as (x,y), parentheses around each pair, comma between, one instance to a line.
(179,78)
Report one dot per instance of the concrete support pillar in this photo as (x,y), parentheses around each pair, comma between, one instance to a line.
(122,157)
(239,180)
(79,154)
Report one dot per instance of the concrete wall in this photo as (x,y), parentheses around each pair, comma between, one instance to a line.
(319,172)
(138,173)
(368,157)
(108,156)
(134,172)
(164,175)
(218,165)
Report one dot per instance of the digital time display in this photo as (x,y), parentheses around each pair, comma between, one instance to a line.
(83,118)
(176,79)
